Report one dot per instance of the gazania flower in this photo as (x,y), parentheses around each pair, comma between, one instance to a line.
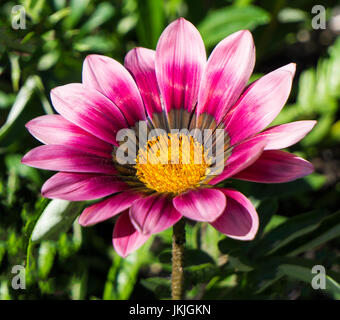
(174,87)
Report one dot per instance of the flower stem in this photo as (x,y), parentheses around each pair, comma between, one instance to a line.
(178,244)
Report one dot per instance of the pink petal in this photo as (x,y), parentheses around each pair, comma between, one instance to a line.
(242,156)
(54,129)
(153,214)
(110,78)
(108,208)
(62,158)
(180,60)
(141,63)
(126,238)
(89,109)
(228,70)
(259,105)
(285,135)
(291,67)
(81,186)
(276,166)
(200,204)
(239,220)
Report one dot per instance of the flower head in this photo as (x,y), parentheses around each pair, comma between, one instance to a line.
(173,174)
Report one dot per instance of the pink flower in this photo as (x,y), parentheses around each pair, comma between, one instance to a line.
(172,87)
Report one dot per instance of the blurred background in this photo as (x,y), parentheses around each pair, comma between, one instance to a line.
(299,221)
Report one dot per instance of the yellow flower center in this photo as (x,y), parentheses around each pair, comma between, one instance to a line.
(172,163)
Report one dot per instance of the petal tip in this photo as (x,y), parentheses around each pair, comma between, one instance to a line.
(121,253)
(245,35)
(180,23)
(56,92)
(92,56)
(309,168)
(313,123)
(240,220)
(291,68)
(309,125)
(26,158)
(82,221)
(29,124)
(181,20)
(45,192)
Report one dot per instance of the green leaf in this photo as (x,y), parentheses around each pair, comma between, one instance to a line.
(59,15)
(47,252)
(201,273)
(291,15)
(267,271)
(320,131)
(59,4)
(266,211)
(305,275)
(160,286)
(209,240)
(254,77)
(329,229)
(12,186)
(222,22)
(279,190)
(231,246)
(265,277)
(42,94)
(2,250)
(318,94)
(307,85)
(78,8)
(34,9)
(288,231)
(57,217)
(316,180)
(6,99)
(21,101)
(151,22)
(126,24)
(48,60)
(15,70)
(274,222)
(127,275)
(95,43)
(238,265)
(13,163)
(4,290)
(335,130)
(79,286)
(103,13)
(123,274)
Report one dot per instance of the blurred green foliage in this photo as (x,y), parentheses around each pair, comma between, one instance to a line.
(299,221)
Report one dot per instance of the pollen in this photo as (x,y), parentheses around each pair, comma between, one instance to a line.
(172,163)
